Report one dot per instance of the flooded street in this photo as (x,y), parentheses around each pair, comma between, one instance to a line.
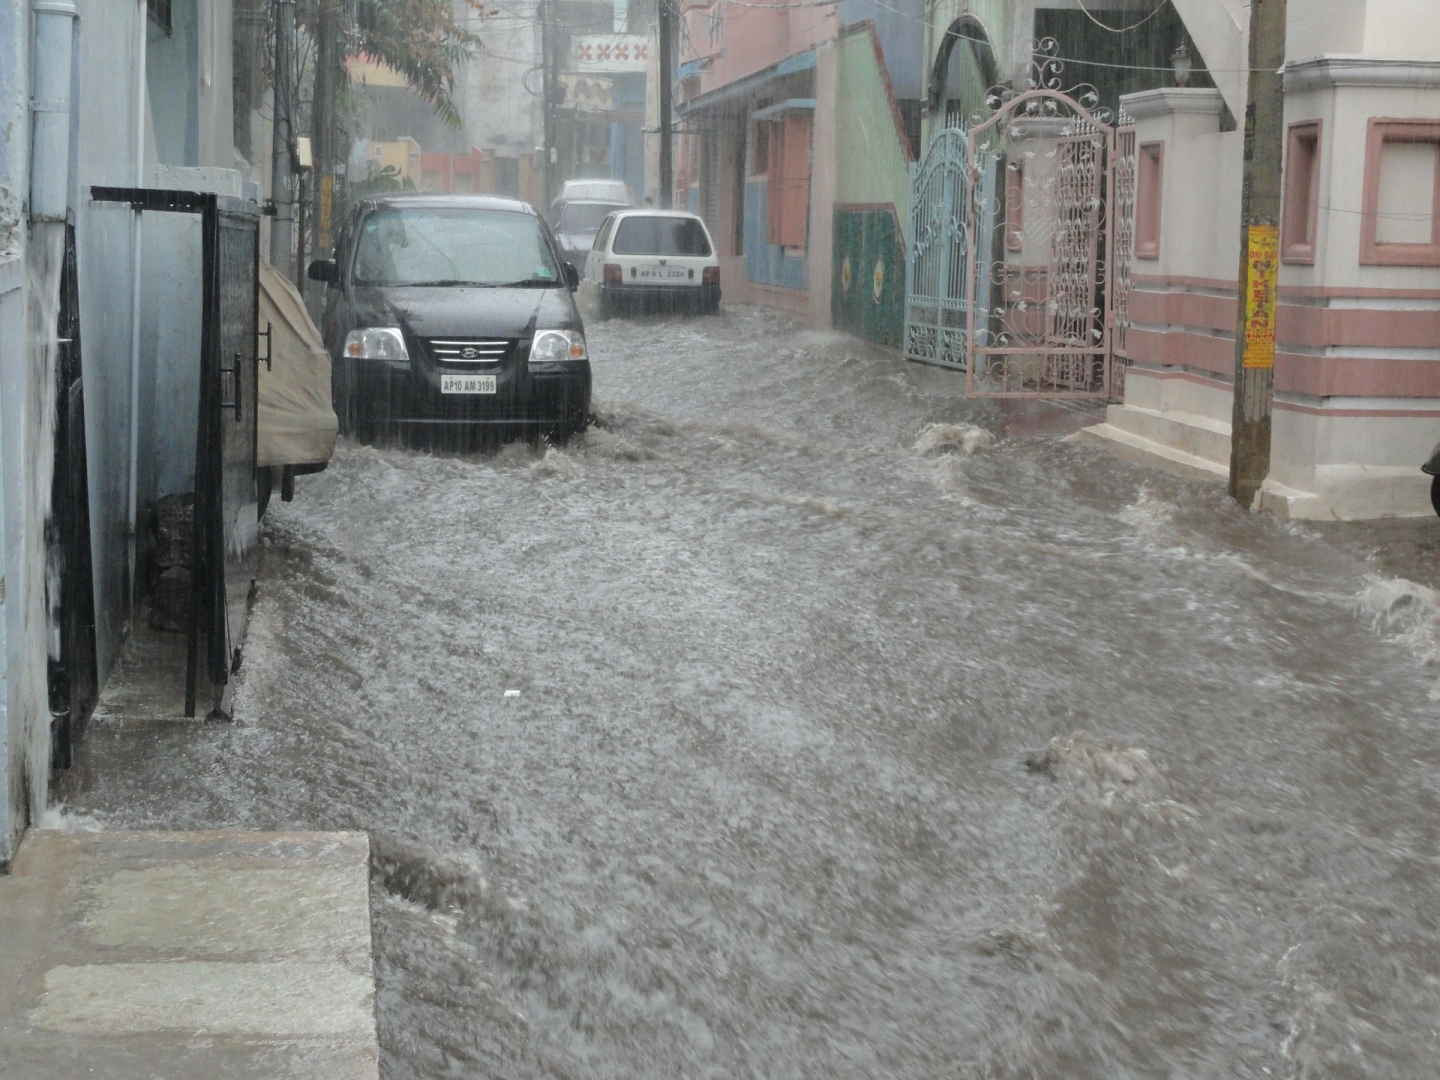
(718,743)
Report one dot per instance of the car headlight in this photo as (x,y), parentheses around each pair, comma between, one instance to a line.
(376,343)
(552,346)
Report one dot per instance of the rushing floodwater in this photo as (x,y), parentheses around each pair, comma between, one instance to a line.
(718,743)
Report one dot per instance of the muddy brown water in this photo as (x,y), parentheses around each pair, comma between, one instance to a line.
(778,797)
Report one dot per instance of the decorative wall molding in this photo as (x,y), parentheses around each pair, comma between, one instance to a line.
(1322,72)
(1168,101)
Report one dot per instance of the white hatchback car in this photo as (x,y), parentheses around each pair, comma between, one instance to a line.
(657,259)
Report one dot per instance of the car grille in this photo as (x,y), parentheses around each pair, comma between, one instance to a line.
(469,350)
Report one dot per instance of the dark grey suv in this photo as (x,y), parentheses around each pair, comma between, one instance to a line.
(455,314)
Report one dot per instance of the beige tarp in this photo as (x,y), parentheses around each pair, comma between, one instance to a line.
(297,422)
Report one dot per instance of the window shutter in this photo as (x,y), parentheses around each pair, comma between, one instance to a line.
(774,183)
(795,206)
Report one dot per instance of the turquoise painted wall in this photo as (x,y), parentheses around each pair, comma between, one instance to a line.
(869,148)
(872,192)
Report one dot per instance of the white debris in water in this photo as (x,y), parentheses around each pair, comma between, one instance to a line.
(512,693)
(1113,769)
(945,438)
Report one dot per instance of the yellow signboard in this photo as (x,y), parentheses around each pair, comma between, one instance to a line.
(1261,286)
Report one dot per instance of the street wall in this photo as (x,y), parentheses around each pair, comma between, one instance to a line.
(14,163)
(1357,366)
(871,194)
(104,237)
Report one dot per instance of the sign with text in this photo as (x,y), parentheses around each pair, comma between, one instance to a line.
(611,53)
(588,93)
(1261,285)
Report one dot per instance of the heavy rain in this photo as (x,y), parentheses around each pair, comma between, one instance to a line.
(804,718)
(719,539)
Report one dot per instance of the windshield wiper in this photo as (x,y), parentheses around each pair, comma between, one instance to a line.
(447,282)
(529,283)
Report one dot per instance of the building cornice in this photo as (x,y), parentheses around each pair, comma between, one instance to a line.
(1167,101)
(1321,72)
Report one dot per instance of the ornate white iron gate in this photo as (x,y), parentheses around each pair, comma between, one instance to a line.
(1021,239)
(936,280)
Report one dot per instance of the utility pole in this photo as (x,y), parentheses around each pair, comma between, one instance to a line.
(1259,253)
(666,26)
(549,167)
(282,170)
(329,55)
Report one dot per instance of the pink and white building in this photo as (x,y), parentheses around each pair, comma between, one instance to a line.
(1357,370)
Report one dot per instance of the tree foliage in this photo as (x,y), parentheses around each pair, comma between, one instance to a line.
(423,40)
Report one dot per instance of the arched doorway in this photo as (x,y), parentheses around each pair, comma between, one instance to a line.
(964,70)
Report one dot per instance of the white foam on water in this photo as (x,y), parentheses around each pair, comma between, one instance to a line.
(953,438)
(1150,516)
(1407,612)
(57,819)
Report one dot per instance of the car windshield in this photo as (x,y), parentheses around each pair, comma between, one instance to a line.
(584,217)
(595,189)
(659,235)
(452,246)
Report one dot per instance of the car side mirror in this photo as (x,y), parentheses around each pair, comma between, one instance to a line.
(572,276)
(324,270)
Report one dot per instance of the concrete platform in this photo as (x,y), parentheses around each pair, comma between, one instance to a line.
(214,955)
(1128,446)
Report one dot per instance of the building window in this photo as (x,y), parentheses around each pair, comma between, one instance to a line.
(1302,193)
(788,181)
(774,182)
(759,148)
(1149,189)
(1400,224)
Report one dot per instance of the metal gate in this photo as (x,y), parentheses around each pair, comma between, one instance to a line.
(225,521)
(1021,238)
(937,307)
(69,577)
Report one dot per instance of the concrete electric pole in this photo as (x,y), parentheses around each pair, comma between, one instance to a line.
(282,171)
(1259,253)
(550,166)
(666,26)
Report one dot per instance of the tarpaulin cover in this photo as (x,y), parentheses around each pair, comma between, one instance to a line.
(296,419)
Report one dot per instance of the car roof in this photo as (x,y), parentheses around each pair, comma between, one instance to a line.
(473,202)
(596,181)
(655,211)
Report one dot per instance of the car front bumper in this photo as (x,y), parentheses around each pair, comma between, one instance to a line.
(382,393)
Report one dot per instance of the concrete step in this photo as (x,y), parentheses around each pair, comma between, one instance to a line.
(1190,433)
(131,955)
(1128,446)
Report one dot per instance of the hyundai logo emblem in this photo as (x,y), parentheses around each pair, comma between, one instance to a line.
(469,353)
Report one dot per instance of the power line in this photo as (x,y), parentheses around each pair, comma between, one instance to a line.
(1116,29)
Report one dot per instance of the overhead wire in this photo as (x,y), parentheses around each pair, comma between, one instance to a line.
(1119,29)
